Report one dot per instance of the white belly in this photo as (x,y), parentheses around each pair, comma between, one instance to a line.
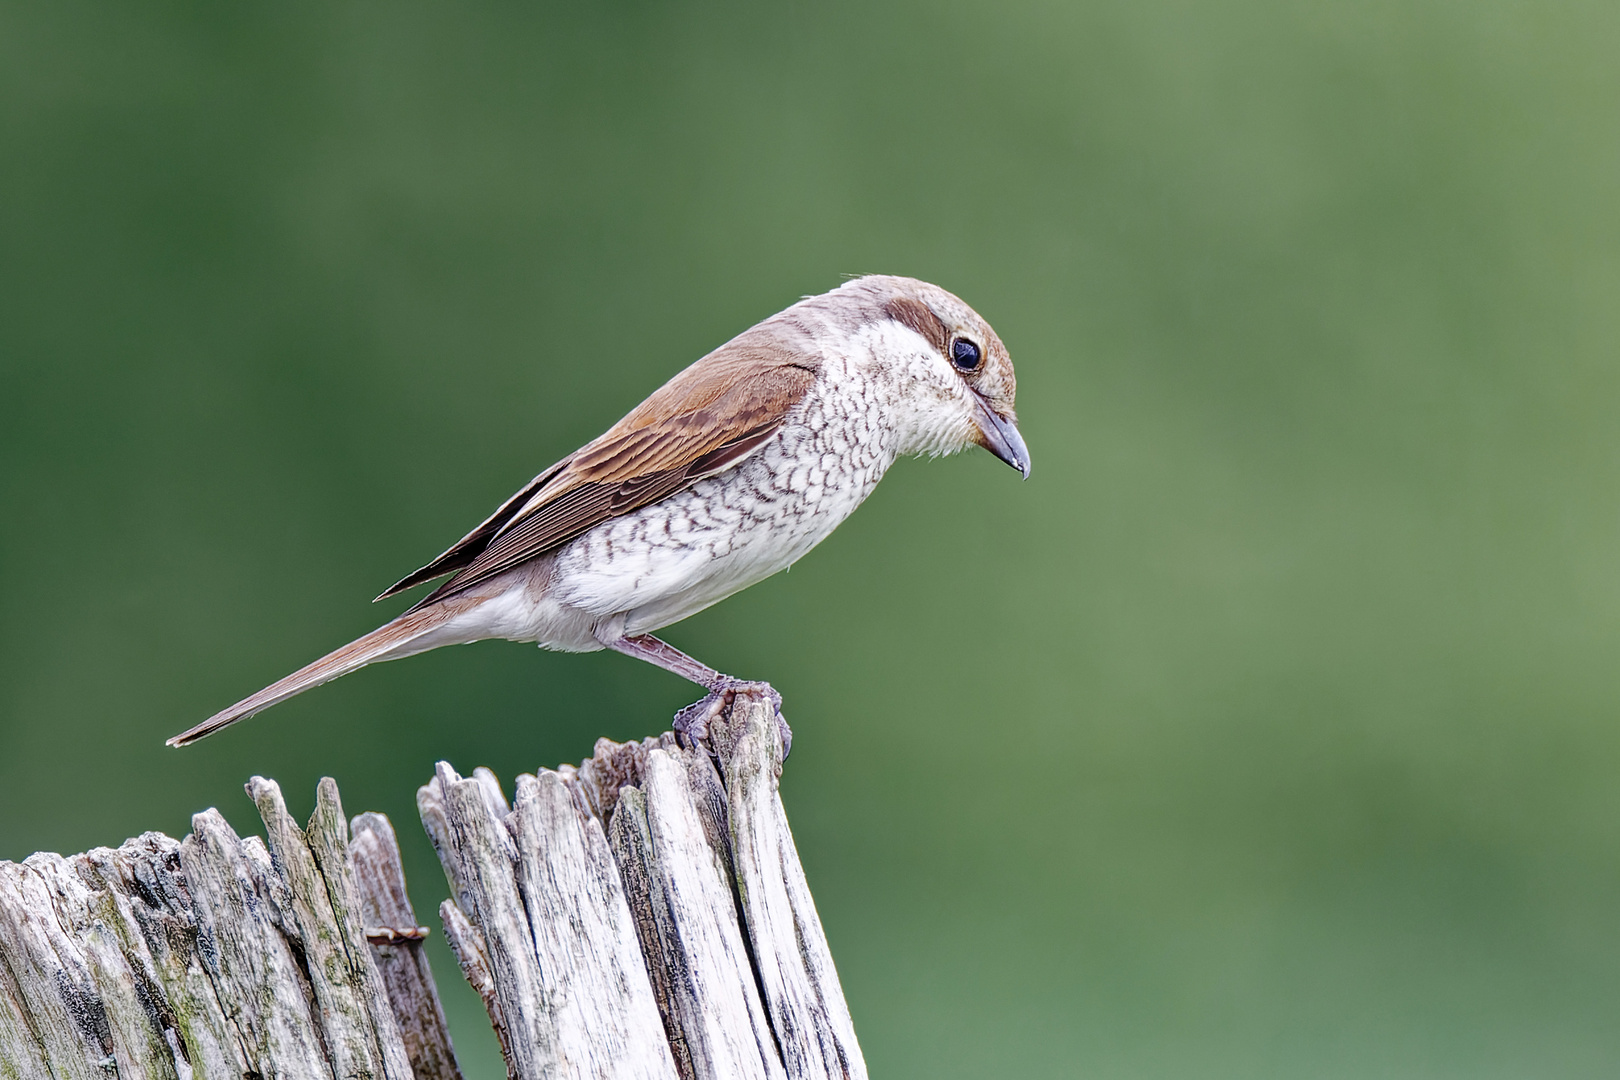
(670,560)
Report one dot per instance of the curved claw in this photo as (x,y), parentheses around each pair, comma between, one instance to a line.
(692,722)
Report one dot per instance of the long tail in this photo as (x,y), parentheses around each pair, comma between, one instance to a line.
(387,642)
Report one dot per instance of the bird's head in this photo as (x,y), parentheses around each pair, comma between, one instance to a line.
(951,372)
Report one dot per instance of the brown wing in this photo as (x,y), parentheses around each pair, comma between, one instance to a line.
(701,422)
(466,549)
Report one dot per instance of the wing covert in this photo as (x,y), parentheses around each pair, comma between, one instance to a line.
(703,421)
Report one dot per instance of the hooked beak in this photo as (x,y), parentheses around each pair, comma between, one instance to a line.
(1000,436)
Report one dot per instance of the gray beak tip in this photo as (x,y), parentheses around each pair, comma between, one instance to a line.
(1002,439)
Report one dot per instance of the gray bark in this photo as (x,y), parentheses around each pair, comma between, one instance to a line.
(643,915)
(209,957)
(539,885)
(396,947)
(791,957)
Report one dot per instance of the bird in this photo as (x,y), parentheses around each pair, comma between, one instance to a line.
(729,473)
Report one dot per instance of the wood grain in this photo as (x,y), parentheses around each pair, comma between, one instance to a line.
(209,957)
(695,905)
(641,915)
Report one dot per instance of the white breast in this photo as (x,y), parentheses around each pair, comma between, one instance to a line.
(664,562)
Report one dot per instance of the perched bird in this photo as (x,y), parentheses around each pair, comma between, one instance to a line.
(728,473)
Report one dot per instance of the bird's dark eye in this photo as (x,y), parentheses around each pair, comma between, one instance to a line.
(965,354)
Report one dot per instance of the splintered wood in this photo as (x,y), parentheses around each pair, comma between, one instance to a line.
(641,916)
(395,939)
(644,915)
(208,957)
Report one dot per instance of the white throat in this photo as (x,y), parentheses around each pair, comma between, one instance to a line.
(927,408)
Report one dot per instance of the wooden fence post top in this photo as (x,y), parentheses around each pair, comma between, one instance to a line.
(642,914)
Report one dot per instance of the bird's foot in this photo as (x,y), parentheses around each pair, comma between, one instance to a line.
(692,722)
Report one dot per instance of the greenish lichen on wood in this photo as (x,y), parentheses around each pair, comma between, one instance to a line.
(643,915)
(208,958)
(361,1036)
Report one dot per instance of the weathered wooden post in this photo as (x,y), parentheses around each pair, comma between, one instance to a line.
(641,915)
(213,956)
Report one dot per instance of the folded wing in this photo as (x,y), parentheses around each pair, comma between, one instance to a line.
(703,421)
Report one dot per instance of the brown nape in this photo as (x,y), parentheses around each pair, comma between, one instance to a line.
(921,318)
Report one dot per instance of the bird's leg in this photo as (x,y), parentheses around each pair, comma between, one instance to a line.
(693,721)
(662,653)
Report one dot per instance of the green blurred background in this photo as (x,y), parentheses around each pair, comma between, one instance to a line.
(1269,730)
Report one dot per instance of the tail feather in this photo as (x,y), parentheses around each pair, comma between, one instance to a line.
(387,642)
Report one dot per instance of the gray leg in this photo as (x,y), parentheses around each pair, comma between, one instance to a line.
(664,655)
(693,721)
